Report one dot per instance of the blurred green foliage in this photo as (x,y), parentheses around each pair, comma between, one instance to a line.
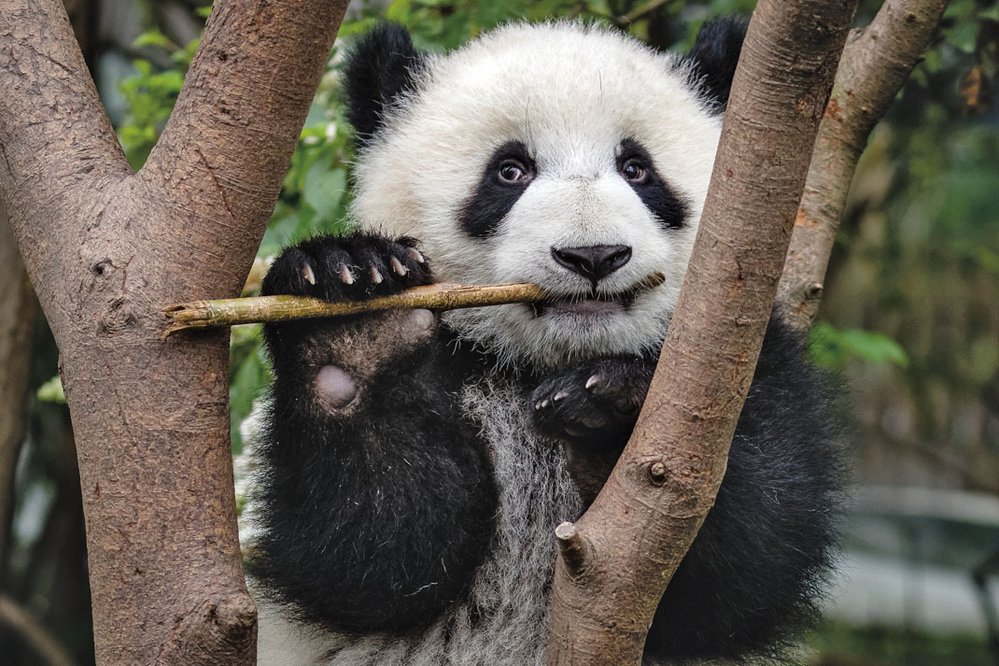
(150,95)
(833,348)
(838,643)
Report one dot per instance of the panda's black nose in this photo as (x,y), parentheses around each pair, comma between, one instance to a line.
(593,262)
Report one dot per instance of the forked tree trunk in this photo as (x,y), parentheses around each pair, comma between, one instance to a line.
(107,249)
(610,576)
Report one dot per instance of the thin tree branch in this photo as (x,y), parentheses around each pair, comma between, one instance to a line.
(639,11)
(33,632)
(669,474)
(876,63)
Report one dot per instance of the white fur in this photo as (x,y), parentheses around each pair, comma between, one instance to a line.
(571,94)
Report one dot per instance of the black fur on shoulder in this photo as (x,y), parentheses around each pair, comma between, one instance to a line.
(715,55)
(381,67)
(753,575)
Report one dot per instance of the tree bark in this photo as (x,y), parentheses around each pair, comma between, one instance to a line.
(618,558)
(107,250)
(876,63)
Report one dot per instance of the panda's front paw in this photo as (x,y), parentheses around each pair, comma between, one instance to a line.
(595,404)
(353,267)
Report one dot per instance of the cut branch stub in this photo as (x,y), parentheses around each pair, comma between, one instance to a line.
(575,549)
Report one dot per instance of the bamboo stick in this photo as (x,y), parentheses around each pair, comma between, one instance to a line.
(441,296)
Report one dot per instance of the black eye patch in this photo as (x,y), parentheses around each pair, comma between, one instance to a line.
(506,177)
(668,207)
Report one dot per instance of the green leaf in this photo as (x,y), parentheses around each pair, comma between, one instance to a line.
(833,348)
(324,188)
(154,38)
(249,376)
(51,391)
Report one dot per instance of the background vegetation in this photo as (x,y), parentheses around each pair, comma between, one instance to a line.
(910,318)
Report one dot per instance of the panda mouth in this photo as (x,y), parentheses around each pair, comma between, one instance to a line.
(595,304)
(585,304)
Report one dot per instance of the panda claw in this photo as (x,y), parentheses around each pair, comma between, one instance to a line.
(398,267)
(345,275)
(593,381)
(542,405)
(307,274)
(415,255)
(560,396)
(376,276)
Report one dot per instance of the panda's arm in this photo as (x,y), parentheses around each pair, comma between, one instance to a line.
(591,410)
(375,500)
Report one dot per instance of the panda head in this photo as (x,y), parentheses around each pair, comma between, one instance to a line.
(561,154)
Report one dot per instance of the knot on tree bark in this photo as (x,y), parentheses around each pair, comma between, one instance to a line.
(218,630)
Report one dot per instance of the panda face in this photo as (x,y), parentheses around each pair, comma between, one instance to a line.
(558,154)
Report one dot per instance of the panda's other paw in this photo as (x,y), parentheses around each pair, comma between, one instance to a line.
(354,267)
(595,403)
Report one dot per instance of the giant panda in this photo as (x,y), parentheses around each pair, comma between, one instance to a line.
(414,464)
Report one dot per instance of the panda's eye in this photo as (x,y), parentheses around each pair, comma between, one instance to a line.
(514,172)
(634,170)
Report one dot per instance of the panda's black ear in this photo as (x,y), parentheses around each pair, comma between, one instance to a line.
(715,55)
(381,66)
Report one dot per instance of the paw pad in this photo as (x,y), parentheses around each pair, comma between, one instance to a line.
(335,387)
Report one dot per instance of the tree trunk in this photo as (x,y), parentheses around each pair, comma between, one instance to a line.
(106,250)
(612,572)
